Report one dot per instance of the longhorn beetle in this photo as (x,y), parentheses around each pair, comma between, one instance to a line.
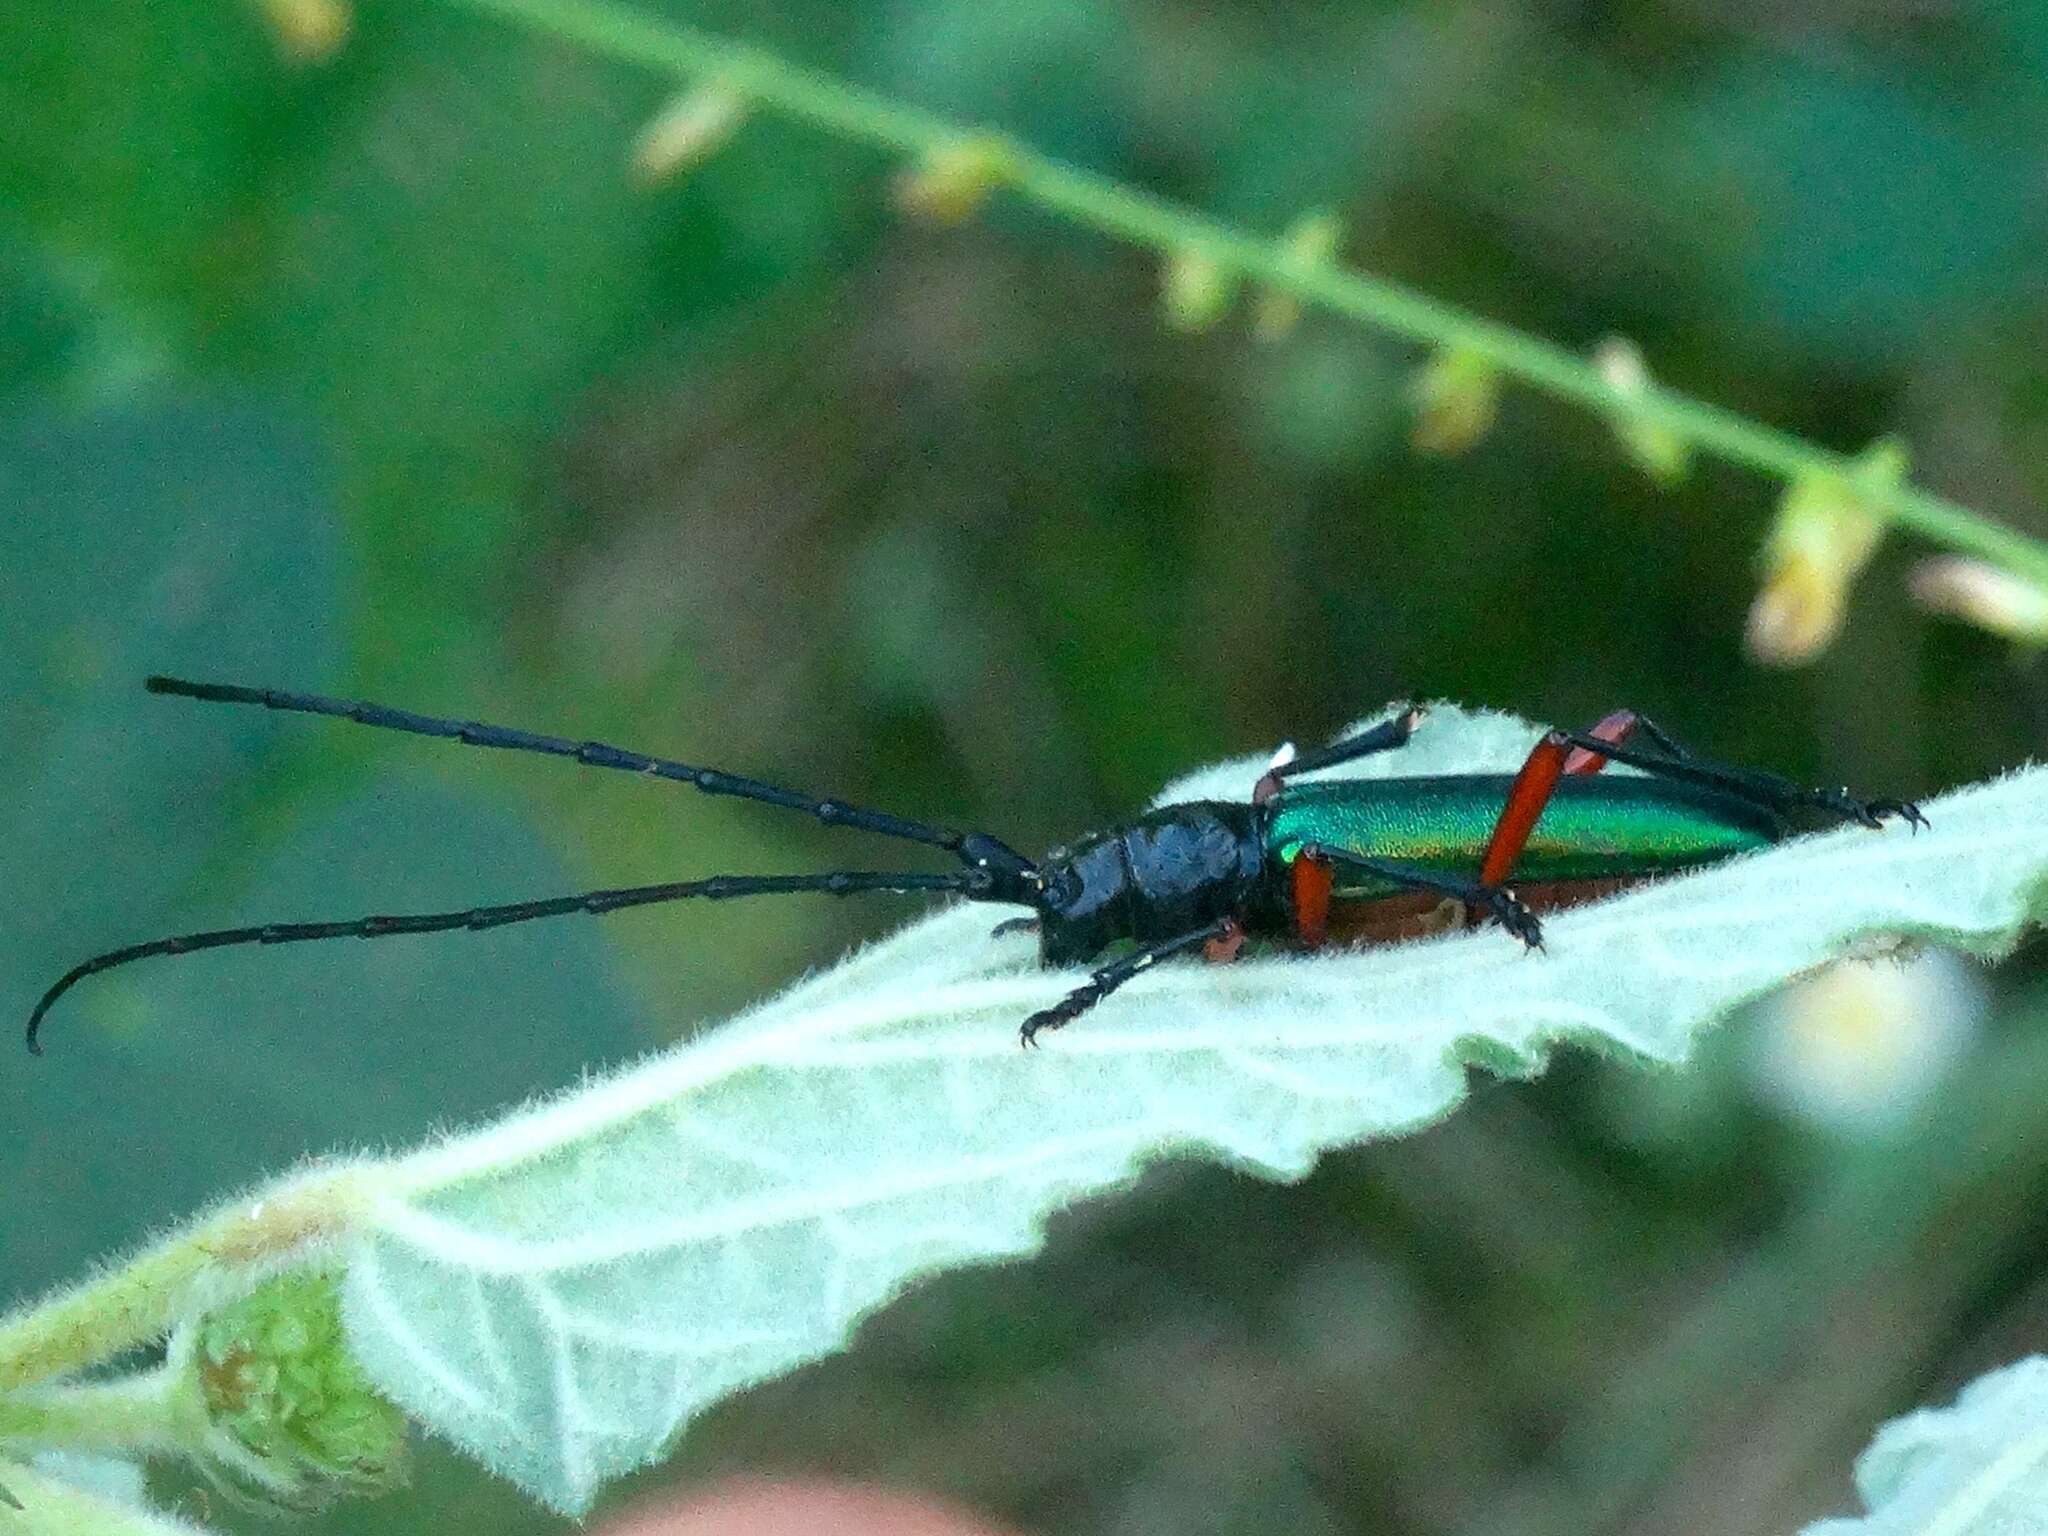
(1335,860)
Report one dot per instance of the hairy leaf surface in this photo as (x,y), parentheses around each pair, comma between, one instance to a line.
(560,1293)
(1976,1468)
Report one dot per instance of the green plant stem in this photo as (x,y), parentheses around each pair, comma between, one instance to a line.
(131,1413)
(83,1326)
(1129,214)
(139,1300)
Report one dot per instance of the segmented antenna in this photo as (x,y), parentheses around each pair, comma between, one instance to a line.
(995,872)
(845,882)
(593,754)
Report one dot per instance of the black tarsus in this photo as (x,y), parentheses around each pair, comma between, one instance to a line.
(1106,980)
(845,882)
(1496,901)
(1663,738)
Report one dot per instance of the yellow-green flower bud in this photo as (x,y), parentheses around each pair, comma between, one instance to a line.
(1456,395)
(1311,241)
(689,130)
(949,185)
(308,31)
(1197,290)
(1827,529)
(1658,451)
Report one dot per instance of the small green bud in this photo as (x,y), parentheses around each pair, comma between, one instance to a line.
(1198,290)
(1825,533)
(1310,241)
(301,1422)
(690,129)
(308,31)
(1456,395)
(949,185)
(1658,451)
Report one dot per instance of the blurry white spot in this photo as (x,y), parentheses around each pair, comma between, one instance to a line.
(690,128)
(1862,1045)
(1984,595)
(1283,757)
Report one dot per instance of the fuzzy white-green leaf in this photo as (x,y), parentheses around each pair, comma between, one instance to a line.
(1977,1468)
(559,1294)
(79,1496)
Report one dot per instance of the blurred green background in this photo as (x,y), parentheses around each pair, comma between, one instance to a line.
(379,375)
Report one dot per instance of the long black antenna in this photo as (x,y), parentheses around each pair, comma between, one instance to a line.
(995,871)
(595,754)
(974,884)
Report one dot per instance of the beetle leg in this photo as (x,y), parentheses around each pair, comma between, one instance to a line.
(1527,797)
(1310,884)
(1111,976)
(1384,737)
(1496,901)
(1612,740)
(1223,947)
(1767,790)
(1557,754)
(1618,728)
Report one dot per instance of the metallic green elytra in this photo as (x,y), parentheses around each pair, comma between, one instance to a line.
(1612,826)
